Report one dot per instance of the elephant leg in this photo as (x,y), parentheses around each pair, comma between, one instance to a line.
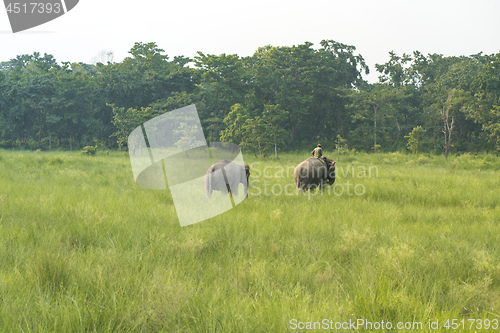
(235,188)
(226,181)
(301,188)
(311,186)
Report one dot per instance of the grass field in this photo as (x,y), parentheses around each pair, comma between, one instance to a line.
(402,238)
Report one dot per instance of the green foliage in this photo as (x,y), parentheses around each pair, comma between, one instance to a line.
(261,134)
(185,134)
(45,104)
(235,125)
(341,145)
(414,138)
(126,120)
(256,139)
(492,127)
(89,150)
(274,119)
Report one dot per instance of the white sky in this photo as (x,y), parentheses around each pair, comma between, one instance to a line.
(375,27)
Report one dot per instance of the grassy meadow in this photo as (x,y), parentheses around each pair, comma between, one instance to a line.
(401,238)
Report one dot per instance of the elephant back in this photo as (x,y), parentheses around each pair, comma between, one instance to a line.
(314,172)
(315,164)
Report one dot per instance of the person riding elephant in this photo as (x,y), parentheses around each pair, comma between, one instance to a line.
(317,152)
(314,172)
(225,176)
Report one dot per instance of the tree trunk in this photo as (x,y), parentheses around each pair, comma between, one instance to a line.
(399,130)
(50,141)
(447,127)
(338,148)
(70,143)
(40,131)
(275,150)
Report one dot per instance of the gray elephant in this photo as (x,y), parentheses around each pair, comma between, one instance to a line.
(314,172)
(225,176)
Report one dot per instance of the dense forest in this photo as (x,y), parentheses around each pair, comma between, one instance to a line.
(278,99)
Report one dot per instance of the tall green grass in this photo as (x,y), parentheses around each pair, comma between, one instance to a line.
(82,248)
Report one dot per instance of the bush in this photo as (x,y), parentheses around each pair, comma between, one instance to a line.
(32,144)
(415,136)
(422,159)
(89,150)
(7,144)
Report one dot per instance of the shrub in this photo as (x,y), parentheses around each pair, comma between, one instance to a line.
(7,144)
(416,135)
(89,150)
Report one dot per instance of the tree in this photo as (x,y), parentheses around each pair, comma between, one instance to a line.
(73,113)
(414,138)
(448,124)
(266,132)
(484,109)
(144,78)
(492,127)
(255,138)
(242,99)
(185,134)
(341,144)
(126,120)
(29,96)
(224,81)
(396,71)
(375,115)
(274,118)
(235,124)
(310,84)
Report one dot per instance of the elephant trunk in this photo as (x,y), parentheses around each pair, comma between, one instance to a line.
(246,178)
(245,187)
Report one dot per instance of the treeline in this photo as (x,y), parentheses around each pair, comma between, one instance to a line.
(280,98)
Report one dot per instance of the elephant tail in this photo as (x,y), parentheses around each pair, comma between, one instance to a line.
(208,182)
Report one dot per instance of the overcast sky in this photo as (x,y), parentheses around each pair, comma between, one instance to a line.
(374,27)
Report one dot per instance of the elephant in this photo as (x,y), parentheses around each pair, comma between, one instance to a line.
(314,172)
(227,180)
